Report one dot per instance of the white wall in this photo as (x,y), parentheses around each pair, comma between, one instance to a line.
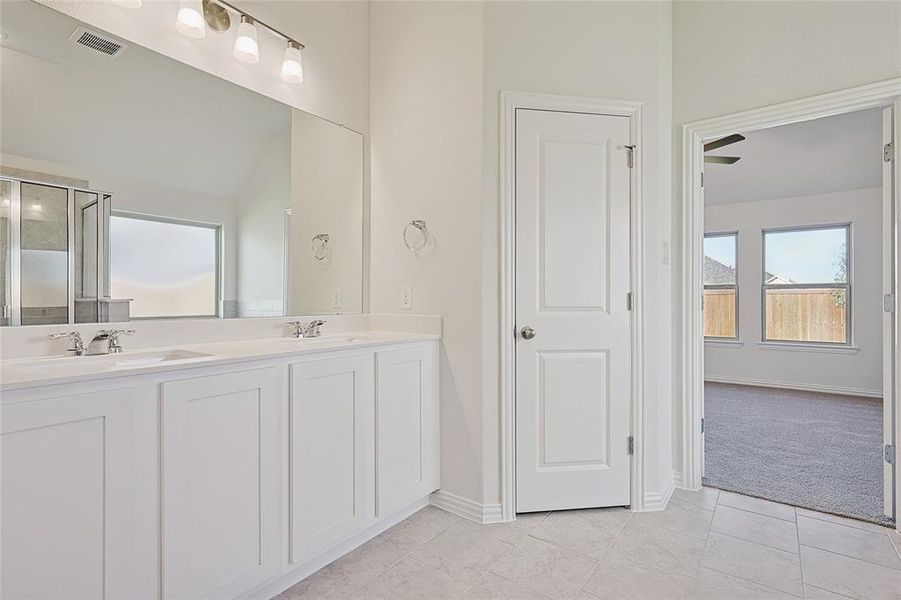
(437,71)
(733,56)
(860,372)
(261,217)
(426,164)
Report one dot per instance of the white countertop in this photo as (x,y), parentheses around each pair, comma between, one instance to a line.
(32,372)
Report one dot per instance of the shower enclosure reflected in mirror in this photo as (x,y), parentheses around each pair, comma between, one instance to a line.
(133,186)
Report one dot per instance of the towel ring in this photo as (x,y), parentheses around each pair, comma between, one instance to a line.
(416,235)
(320,246)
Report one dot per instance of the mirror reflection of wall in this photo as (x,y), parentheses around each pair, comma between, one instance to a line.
(197,204)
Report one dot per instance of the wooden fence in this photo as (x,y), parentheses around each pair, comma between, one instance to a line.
(810,315)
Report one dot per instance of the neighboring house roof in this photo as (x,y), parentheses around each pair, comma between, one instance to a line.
(716,273)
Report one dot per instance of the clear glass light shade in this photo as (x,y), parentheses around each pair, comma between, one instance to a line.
(189,20)
(130,3)
(292,66)
(246,47)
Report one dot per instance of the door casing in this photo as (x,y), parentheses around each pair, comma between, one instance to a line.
(510,101)
(882,94)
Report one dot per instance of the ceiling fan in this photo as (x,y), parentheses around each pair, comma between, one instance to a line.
(725,141)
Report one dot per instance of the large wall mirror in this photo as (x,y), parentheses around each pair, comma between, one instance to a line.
(133,186)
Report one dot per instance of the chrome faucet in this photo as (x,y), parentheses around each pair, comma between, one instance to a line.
(77,348)
(107,341)
(309,330)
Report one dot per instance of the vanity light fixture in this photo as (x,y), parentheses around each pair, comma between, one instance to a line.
(189,19)
(292,65)
(246,47)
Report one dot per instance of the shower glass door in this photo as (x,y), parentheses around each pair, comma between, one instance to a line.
(45,254)
(5,252)
(54,255)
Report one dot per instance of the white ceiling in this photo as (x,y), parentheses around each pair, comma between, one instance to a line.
(827,155)
(139,115)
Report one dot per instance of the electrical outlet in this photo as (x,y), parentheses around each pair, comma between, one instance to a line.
(406,297)
(336,297)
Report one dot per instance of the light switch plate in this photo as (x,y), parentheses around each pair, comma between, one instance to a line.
(406,298)
(336,297)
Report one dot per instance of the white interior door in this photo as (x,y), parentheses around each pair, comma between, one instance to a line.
(888,316)
(572,281)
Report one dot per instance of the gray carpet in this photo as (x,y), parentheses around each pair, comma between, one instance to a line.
(818,451)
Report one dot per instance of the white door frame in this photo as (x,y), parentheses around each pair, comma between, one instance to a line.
(881,94)
(509,103)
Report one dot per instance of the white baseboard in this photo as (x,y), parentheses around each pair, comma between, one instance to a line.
(298,573)
(677,479)
(803,387)
(468,509)
(654,501)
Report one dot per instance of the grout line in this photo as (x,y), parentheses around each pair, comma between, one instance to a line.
(735,537)
(816,587)
(757,583)
(857,558)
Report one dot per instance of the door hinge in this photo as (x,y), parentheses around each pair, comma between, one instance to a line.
(890,454)
(888,152)
(630,156)
(629,301)
(631,445)
(888,303)
(702,424)
(702,178)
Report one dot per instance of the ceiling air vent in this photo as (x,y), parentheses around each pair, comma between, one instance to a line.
(98,42)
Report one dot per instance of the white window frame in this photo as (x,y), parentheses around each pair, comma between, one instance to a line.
(846,286)
(725,286)
(217,227)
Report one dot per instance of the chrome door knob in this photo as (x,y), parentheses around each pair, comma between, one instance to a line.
(527,332)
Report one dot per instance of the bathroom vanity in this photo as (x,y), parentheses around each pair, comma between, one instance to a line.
(211,470)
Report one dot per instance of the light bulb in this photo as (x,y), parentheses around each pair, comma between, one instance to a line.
(129,3)
(246,48)
(292,66)
(190,19)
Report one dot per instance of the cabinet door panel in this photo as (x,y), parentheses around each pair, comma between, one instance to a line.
(331,452)
(67,498)
(406,427)
(221,487)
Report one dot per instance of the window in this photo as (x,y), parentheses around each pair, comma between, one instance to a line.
(721,285)
(806,285)
(168,268)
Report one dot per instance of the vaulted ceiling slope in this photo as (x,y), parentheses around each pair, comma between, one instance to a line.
(140,115)
(832,154)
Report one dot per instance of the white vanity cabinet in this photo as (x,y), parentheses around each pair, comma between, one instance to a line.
(215,480)
(220,442)
(332,413)
(406,439)
(78,516)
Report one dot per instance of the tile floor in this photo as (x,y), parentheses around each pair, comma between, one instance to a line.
(705,545)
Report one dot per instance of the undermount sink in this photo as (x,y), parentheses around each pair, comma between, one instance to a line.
(335,339)
(125,360)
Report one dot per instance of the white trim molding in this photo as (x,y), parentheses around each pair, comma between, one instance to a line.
(466,508)
(801,387)
(510,101)
(802,347)
(654,502)
(881,94)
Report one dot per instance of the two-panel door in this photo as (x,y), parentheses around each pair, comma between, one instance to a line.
(331,449)
(221,453)
(573,350)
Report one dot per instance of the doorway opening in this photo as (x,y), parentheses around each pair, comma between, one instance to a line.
(790,275)
(793,326)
